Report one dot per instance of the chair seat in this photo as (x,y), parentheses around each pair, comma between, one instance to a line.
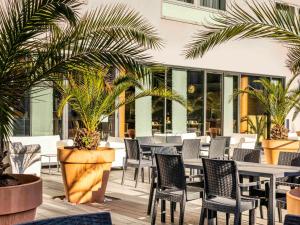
(228,205)
(143,163)
(173,195)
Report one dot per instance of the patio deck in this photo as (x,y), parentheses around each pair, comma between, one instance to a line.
(127,204)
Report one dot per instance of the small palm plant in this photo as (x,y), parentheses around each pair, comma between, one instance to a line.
(93,96)
(258,20)
(256,125)
(277,102)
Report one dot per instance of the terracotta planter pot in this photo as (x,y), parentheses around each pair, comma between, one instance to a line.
(85,173)
(298,133)
(272,148)
(19,203)
(293,201)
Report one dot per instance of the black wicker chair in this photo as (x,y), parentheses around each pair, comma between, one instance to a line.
(222,192)
(285,159)
(146,140)
(171,186)
(134,158)
(167,151)
(102,218)
(217,148)
(292,220)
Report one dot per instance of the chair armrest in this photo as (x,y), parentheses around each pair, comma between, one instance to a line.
(292,185)
(252,184)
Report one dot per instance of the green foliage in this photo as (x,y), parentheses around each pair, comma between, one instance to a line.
(41,40)
(93,95)
(257,125)
(258,20)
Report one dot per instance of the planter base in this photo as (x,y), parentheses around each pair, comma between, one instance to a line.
(85,173)
(293,201)
(272,149)
(19,202)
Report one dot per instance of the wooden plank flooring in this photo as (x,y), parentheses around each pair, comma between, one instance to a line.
(127,204)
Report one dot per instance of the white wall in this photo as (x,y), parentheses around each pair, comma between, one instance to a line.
(263,57)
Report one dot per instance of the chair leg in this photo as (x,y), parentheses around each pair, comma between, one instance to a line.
(182,208)
(149,174)
(210,217)
(143,175)
(137,177)
(150,201)
(261,212)
(123,175)
(163,211)
(279,213)
(227,218)
(252,217)
(172,211)
(237,218)
(154,211)
(202,216)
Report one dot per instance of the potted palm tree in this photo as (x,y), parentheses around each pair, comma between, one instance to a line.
(42,40)
(86,166)
(260,20)
(277,102)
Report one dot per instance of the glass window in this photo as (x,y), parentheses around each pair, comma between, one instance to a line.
(158,103)
(130,111)
(215,4)
(22,122)
(57,121)
(187,1)
(195,98)
(213,104)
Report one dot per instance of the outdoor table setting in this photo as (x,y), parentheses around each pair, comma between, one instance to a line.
(261,170)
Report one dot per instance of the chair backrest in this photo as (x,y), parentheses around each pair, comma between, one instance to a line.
(190,148)
(102,218)
(217,148)
(145,140)
(221,178)
(292,220)
(174,139)
(132,148)
(247,155)
(289,159)
(170,171)
(159,139)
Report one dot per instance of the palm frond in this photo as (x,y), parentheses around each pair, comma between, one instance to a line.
(255,20)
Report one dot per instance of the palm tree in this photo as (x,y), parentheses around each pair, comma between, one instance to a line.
(258,20)
(41,40)
(93,96)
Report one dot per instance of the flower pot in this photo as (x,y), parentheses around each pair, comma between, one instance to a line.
(19,202)
(85,173)
(298,133)
(293,201)
(272,148)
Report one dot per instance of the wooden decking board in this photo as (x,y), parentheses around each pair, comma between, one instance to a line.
(128,205)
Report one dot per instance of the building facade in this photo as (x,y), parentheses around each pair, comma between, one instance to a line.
(207,83)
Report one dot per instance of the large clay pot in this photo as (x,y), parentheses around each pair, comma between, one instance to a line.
(19,203)
(298,133)
(293,201)
(85,173)
(272,148)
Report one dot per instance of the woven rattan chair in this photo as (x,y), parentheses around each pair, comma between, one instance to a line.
(146,140)
(217,148)
(222,192)
(174,139)
(167,151)
(292,220)
(134,158)
(285,159)
(171,186)
(102,218)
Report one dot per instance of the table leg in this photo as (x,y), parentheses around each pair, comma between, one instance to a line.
(272,201)
(49,167)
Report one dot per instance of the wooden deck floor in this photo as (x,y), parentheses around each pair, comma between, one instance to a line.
(127,204)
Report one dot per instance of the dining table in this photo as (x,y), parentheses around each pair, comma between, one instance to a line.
(257,169)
